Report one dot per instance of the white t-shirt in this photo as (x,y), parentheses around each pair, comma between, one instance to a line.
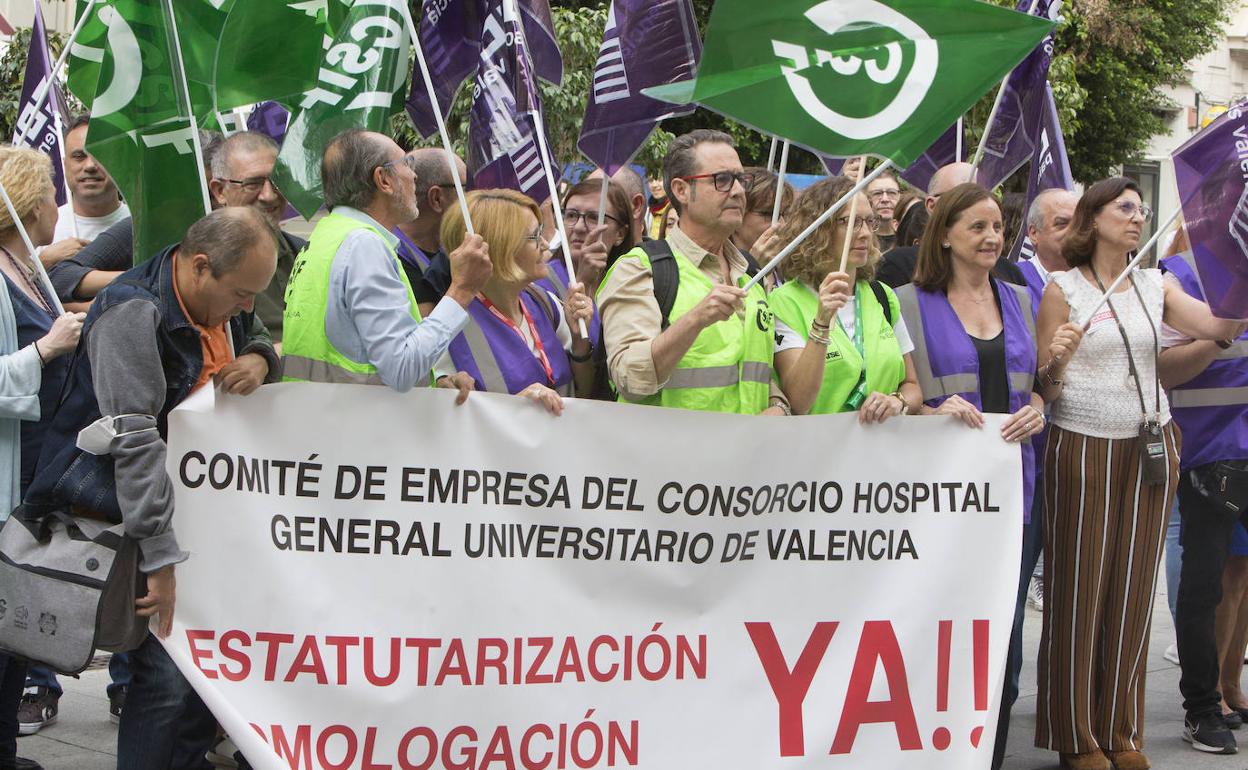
(88,227)
(788,339)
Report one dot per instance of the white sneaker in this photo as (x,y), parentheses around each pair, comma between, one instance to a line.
(1172,653)
(1035,594)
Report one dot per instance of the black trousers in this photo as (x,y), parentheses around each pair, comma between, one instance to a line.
(1206,539)
(12,683)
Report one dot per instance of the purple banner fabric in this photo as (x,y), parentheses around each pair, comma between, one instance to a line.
(1011,143)
(942,152)
(1050,168)
(646,43)
(37,129)
(502,133)
(832,165)
(450,36)
(1213,190)
(270,119)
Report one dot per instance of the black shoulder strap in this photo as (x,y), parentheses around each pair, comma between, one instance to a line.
(666,276)
(751,265)
(540,296)
(881,297)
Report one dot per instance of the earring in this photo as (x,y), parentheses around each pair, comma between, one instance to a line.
(944,245)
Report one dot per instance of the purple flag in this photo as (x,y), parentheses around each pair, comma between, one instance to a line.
(1213,190)
(502,133)
(450,36)
(1050,168)
(1011,143)
(270,119)
(942,152)
(832,165)
(39,129)
(646,43)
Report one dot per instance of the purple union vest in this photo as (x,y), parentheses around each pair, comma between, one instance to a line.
(1211,407)
(947,364)
(499,361)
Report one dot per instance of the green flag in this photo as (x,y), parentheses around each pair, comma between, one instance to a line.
(141,129)
(853,77)
(361,75)
(271,51)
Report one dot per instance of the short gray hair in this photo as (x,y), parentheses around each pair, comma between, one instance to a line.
(1035,212)
(227,235)
(628,178)
(431,169)
(347,168)
(680,160)
(241,142)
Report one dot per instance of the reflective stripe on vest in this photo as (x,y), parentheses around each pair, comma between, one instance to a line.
(307,351)
(728,366)
(472,351)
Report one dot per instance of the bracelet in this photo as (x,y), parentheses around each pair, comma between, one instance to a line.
(821,327)
(1224,344)
(788,410)
(42,360)
(905,406)
(819,336)
(581,359)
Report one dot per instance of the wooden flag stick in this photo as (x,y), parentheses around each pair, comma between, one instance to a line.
(784,162)
(849,226)
(437,114)
(803,235)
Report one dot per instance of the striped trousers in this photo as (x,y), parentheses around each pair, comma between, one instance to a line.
(1104,531)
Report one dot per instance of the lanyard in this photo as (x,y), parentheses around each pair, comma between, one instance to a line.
(859,393)
(540,349)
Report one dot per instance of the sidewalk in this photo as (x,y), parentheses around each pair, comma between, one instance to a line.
(84,739)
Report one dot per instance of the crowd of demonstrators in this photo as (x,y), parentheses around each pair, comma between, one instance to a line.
(390,289)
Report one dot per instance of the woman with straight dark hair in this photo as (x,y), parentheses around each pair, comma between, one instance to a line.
(975,347)
(1111,470)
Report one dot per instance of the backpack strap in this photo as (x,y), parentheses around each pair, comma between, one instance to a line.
(539,295)
(882,297)
(666,277)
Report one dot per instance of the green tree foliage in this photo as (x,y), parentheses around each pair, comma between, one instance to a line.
(12,69)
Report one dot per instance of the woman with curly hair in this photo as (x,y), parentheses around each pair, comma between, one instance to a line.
(842,344)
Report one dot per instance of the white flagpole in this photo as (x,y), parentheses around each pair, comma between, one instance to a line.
(957,157)
(803,235)
(602,198)
(41,93)
(30,250)
(437,114)
(180,75)
(547,160)
(992,114)
(1139,255)
(784,162)
(771,155)
(849,226)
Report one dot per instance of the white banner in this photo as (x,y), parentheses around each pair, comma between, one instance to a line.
(385,582)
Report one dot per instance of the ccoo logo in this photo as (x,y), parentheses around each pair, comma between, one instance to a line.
(833,16)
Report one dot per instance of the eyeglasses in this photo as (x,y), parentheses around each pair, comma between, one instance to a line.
(406,160)
(723,179)
(572,218)
(538,240)
(250,186)
(1130,209)
(875,195)
(872,223)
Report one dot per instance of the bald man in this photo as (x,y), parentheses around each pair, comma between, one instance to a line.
(635,187)
(896,268)
(426,265)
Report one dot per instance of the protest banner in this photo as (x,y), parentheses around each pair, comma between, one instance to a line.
(40,126)
(384,580)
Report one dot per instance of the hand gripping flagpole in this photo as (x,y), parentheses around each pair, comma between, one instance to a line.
(437,114)
(30,250)
(1139,255)
(803,235)
(513,9)
(992,114)
(851,224)
(784,162)
(41,92)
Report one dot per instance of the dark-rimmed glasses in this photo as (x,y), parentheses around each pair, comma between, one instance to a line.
(723,180)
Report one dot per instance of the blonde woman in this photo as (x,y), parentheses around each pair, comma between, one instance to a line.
(519,340)
(842,344)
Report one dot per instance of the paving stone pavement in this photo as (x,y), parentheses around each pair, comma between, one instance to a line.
(84,739)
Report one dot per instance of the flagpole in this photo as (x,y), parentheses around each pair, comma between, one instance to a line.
(547,160)
(850,224)
(957,154)
(179,73)
(602,198)
(803,235)
(992,114)
(1139,255)
(784,163)
(41,93)
(30,249)
(771,155)
(437,114)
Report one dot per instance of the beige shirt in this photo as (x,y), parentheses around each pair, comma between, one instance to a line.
(631,319)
